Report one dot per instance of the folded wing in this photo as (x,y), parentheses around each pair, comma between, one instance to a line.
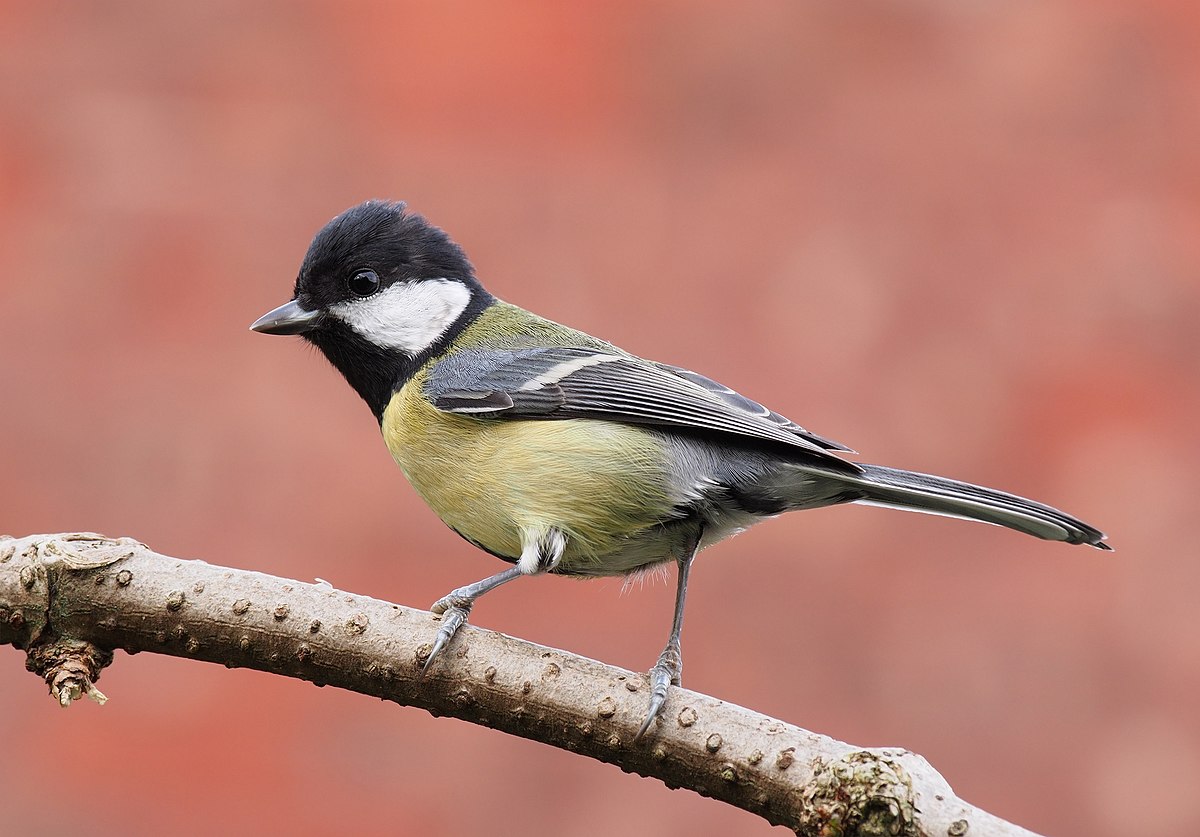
(564,382)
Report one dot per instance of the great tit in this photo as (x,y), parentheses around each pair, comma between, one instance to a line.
(558,452)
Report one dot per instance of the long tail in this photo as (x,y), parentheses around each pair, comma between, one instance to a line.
(898,489)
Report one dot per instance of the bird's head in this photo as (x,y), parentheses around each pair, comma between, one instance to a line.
(379,292)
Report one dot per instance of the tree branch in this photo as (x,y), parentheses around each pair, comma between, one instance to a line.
(68,599)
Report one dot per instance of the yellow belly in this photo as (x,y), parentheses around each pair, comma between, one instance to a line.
(493,480)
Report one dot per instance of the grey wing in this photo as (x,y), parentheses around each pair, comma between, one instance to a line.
(564,382)
(736,399)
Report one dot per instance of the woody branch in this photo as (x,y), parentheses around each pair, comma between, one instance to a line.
(69,600)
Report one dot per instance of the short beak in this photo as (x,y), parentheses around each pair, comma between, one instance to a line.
(288,318)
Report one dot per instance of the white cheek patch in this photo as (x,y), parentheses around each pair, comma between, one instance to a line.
(408,316)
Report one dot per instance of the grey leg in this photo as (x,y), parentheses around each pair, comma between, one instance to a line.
(669,667)
(456,606)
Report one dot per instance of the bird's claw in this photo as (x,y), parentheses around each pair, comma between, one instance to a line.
(665,673)
(453,617)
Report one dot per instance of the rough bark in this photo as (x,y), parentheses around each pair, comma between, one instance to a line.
(68,600)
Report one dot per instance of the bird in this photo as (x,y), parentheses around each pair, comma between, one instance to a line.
(558,452)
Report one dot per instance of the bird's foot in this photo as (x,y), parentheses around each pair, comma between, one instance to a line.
(666,672)
(454,609)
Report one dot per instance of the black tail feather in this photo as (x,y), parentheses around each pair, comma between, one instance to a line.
(910,490)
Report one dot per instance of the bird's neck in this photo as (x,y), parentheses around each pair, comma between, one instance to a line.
(376,373)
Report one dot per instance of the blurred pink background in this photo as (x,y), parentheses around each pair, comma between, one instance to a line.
(959,237)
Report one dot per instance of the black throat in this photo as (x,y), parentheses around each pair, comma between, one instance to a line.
(377,373)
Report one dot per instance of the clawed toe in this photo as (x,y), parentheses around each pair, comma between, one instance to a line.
(455,607)
(665,673)
(453,617)
(660,679)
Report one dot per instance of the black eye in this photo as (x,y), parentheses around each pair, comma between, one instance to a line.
(364,283)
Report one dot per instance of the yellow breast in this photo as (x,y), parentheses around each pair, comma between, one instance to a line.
(494,479)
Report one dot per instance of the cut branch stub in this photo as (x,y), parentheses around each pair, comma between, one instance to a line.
(70,668)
